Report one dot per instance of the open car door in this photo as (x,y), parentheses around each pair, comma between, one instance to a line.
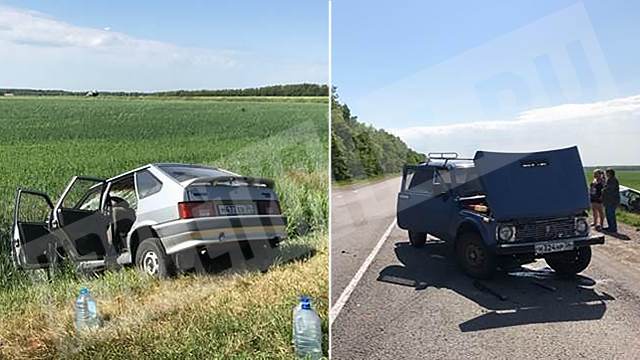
(422,201)
(79,218)
(33,245)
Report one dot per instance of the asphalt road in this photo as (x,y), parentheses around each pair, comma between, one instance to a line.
(416,304)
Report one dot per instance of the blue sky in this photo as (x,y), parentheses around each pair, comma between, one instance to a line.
(154,45)
(433,72)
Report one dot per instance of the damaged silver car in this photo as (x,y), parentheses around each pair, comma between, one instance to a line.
(162,218)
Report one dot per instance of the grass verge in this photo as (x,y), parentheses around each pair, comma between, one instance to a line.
(228,316)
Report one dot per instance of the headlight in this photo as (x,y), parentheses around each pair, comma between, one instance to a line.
(506,233)
(582,226)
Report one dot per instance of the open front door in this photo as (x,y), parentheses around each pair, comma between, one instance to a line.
(78,215)
(32,244)
(422,201)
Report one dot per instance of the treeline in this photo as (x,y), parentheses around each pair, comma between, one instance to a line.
(359,151)
(275,90)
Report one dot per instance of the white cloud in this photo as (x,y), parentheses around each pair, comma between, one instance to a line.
(606,132)
(42,52)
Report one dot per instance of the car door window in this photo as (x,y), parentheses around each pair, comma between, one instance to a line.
(91,200)
(147,184)
(419,180)
(124,189)
(441,181)
(78,191)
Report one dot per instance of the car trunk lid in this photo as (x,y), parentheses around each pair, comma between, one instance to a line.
(533,185)
(229,196)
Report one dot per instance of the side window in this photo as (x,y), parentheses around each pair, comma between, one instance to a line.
(147,184)
(419,180)
(91,200)
(125,189)
(441,182)
(78,192)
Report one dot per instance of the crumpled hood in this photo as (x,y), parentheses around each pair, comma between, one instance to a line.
(533,185)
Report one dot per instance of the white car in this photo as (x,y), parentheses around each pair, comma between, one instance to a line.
(629,198)
(159,217)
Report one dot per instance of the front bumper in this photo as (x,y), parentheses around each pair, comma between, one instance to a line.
(180,235)
(529,248)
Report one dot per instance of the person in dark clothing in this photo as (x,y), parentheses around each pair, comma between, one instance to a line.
(595,194)
(611,200)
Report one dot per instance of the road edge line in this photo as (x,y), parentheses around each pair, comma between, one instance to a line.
(346,293)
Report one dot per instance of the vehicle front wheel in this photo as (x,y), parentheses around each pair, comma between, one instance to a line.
(474,257)
(152,260)
(417,239)
(570,262)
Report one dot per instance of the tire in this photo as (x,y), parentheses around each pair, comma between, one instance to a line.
(417,239)
(570,263)
(152,260)
(474,257)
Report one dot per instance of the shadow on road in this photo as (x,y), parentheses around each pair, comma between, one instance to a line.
(522,296)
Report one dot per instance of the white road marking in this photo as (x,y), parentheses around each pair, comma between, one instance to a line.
(344,297)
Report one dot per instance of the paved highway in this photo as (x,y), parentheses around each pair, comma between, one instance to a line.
(408,303)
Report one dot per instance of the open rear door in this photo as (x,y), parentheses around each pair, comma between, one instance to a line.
(32,243)
(79,217)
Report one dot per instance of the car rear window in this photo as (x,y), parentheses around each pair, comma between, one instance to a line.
(183,173)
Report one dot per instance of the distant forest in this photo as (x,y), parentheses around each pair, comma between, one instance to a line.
(360,151)
(275,90)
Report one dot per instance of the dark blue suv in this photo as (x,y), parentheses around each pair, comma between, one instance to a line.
(501,208)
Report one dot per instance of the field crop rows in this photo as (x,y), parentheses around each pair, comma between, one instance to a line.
(45,141)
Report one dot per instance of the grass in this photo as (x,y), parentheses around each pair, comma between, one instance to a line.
(229,316)
(47,140)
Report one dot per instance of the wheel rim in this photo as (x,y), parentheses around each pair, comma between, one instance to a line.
(150,263)
(474,255)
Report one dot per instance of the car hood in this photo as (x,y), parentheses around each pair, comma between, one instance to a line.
(533,185)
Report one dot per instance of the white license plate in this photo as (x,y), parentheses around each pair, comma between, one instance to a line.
(552,247)
(241,209)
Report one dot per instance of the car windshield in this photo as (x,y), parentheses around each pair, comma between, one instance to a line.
(183,173)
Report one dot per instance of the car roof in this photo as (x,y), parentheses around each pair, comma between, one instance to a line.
(624,188)
(159,165)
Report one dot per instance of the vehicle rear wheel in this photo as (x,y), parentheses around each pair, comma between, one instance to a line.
(152,260)
(570,262)
(417,239)
(474,257)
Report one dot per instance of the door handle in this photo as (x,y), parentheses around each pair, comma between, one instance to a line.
(403,196)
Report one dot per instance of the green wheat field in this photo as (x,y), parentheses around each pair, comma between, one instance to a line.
(44,141)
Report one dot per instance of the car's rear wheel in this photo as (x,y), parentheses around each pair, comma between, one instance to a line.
(152,260)
(474,257)
(417,239)
(570,262)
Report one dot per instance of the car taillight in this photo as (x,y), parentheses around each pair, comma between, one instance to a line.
(194,209)
(269,207)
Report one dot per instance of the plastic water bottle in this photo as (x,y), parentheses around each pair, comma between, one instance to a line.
(307,332)
(86,311)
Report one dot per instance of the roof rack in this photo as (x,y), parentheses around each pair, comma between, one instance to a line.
(446,156)
(443,155)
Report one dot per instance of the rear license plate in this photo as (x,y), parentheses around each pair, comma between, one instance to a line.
(552,247)
(238,209)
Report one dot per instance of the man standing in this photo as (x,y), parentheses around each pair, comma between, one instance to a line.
(611,200)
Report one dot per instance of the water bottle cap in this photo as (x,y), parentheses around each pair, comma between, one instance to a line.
(84,291)
(305,302)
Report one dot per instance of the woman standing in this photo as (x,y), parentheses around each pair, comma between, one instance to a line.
(595,193)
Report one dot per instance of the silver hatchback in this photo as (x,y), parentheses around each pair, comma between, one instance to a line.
(160,217)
